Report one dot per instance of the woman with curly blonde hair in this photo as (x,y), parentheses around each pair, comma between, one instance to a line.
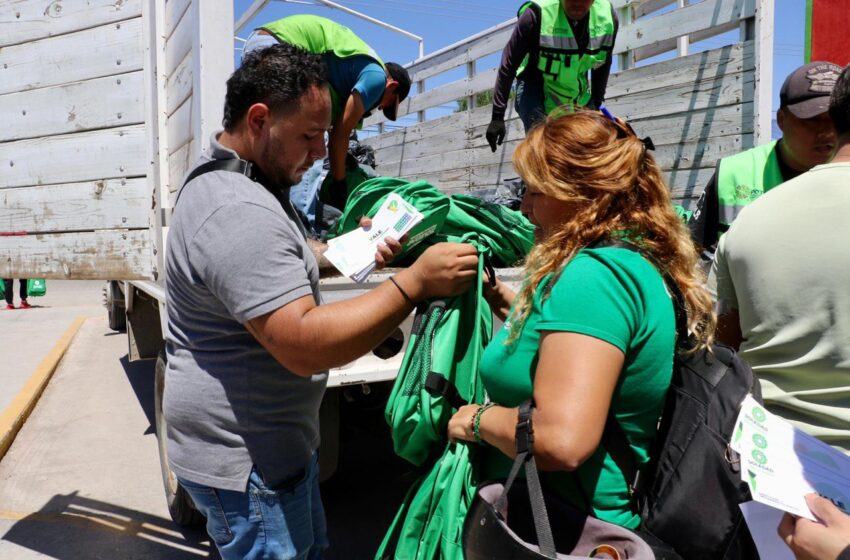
(593,327)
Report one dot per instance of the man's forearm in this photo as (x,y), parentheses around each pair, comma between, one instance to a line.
(340,332)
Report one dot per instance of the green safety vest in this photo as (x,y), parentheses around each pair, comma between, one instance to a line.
(564,69)
(320,35)
(744,177)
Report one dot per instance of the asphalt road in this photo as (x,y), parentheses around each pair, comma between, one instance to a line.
(82,480)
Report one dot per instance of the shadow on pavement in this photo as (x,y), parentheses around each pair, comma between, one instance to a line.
(71,527)
(140,374)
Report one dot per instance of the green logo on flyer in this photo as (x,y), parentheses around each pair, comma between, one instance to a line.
(393,206)
(759,414)
(760,441)
(759,457)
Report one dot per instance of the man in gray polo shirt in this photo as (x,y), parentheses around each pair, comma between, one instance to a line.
(248,344)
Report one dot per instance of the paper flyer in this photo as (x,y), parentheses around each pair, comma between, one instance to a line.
(781,464)
(353,254)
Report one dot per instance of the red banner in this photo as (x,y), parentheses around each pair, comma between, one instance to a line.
(826,35)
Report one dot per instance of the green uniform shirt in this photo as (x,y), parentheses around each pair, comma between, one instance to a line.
(614,295)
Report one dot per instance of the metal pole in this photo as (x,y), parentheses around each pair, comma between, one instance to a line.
(258,5)
(378,22)
(249,14)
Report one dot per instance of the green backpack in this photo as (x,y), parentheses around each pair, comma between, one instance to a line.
(507,233)
(438,374)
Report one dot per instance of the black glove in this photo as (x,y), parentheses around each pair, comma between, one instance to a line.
(495,133)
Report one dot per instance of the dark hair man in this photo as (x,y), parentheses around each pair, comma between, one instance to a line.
(781,274)
(807,140)
(553,46)
(360,81)
(248,342)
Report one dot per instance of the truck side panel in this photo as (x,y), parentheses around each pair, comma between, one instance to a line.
(73,145)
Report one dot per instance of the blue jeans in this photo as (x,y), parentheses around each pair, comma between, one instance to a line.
(529,103)
(265,523)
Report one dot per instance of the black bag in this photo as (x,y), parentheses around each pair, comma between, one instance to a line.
(511,521)
(688,494)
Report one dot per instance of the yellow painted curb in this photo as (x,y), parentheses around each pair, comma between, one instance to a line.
(12,419)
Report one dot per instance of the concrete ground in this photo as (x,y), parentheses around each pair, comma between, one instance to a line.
(82,479)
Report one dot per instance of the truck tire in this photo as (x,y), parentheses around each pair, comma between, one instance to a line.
(180,505)
(115,307)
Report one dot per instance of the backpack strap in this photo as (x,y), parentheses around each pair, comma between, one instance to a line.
(252,172)
(438,386)
(614,438)
(234,165)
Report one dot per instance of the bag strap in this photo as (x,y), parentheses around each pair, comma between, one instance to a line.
(252,172)
(234,165)
(525,456)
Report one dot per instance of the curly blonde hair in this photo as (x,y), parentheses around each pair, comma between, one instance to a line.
(615,187)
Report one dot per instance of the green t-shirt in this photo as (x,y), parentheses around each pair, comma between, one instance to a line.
(615,295)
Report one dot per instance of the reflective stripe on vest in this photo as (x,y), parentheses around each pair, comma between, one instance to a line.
(564,70)
(743,178)
(320,35)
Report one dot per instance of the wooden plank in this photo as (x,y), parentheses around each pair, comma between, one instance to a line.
(689,69)
(729,89)
(461,55)
(213,65)
(688,183)
(178,165)
(179,43)
(110,49)
(692,126)
(179,85)
(418,131)
(179,126)
(444,94)
(99,255)
(672,44)
(88,105)
(174,10)
(85,156)
(448,161)
(30,20)
(485,176)
(688,155)
(105,204)
(452,139)
(683,21)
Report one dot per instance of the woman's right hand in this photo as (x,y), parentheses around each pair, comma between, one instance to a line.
(498,296)
(443,270)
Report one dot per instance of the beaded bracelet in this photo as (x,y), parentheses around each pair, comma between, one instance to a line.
(476,422)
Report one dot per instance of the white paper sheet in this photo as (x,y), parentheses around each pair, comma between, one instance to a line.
(353,254)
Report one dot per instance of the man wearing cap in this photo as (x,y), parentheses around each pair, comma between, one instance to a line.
(807,140)
(781,277)
(360,83)
(554,45)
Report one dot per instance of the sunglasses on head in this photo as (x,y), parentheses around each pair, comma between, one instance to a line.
(624,129)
